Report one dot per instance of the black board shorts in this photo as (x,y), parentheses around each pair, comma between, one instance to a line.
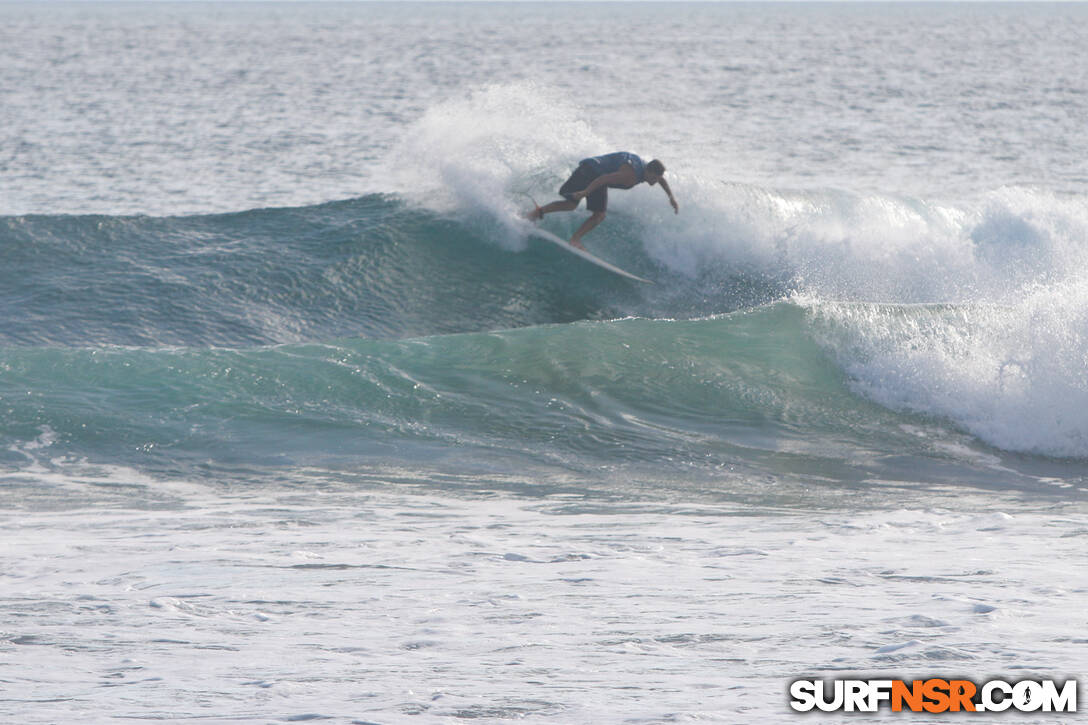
(579,180)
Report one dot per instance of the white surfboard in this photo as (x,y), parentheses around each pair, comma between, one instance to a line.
(544,234)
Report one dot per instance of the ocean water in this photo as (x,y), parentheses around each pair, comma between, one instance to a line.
(296,423)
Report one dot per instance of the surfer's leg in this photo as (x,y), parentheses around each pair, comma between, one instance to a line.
(587,226)
(578,181)
(540,211)
(597,202)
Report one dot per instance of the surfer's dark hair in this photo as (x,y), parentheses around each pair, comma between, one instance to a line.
(656,166)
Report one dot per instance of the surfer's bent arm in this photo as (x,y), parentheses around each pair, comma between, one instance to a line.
(672,199)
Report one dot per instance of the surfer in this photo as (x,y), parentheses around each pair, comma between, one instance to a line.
(592,180)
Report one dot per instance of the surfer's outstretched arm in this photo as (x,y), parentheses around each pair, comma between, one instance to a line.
(672,199)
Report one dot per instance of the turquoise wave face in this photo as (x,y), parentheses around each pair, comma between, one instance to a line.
(741,395)
(371,267)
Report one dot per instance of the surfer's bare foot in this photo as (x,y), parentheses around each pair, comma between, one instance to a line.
(576,243)
(534,214)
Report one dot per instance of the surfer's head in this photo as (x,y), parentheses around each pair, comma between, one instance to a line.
(654,171)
